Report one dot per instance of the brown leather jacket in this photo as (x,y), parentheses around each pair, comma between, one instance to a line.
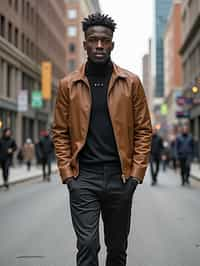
(129,116)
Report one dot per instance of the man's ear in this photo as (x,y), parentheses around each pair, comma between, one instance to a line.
(84,45)
(113,45)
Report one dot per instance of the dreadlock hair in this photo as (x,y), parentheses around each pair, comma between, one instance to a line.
(98,19)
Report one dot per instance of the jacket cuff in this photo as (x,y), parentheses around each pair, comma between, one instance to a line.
(138,172)
(65,173)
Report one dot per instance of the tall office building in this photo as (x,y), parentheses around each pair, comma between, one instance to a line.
(161,12)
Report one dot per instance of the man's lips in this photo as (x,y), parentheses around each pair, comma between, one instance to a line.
(99,54)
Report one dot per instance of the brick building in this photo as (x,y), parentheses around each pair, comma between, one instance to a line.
(76,10)
(190,53)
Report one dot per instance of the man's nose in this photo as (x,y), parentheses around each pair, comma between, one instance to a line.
(99,44)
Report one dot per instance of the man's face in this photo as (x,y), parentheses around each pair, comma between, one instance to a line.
(98,43)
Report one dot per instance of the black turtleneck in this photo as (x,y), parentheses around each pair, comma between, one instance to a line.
(100,146)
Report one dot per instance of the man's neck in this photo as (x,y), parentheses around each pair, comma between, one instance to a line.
(96,69)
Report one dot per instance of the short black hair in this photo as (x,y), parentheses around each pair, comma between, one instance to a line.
(98,19)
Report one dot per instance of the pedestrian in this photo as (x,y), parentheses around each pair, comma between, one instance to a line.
(102,135)
(165,155)
(156,153)
(7,148)
(173,155)
(28,153)
(45,149)
(185,153)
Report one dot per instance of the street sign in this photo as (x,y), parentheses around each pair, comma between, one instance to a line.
(46,80)
(36,99)
(22,101)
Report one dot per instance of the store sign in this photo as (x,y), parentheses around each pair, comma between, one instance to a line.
(182,100)
(182,114)
(164,109)
(46,81)
(22,101)
(36,99)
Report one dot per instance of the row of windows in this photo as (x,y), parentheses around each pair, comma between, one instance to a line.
(26,10)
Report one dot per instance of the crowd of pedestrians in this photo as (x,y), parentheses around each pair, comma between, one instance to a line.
(178,152)
(41,153)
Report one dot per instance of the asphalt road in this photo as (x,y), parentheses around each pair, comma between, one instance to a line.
(36,229)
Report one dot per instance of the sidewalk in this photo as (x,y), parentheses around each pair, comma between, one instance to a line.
(20,173)
(195,171)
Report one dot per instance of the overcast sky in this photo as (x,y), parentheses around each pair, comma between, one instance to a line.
(134,20)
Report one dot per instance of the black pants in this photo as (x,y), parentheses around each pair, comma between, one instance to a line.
(154,166)
(185,170)
(101,190)
(5,165)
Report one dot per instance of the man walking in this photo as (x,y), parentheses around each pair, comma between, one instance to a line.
(7,148)
(156,152)
(102,135)
(185,153)
(46,150)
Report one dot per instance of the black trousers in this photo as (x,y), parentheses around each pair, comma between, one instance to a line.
(154,166)
(185,170)
(100,190)
(5,165)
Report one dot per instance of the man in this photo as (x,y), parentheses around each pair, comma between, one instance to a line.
(46,149)
(156,152)
(7,148)
(102,135)
(185,153)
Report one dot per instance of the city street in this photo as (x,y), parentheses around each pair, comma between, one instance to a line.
(36,230)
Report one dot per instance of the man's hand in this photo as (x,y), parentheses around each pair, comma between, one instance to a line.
(136,179)
(68,180)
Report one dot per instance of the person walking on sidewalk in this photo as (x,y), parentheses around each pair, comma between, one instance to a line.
(102,135)
(185,153)
(28,153)
(156,153)
(7,148)
(46,149)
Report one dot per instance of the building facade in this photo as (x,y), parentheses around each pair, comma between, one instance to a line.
(172,61)
(27,38)
(76,10)
(161,12)
(190,53)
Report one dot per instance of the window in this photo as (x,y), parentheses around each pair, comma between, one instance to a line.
(71,65)
(16,5)
(16,37)
(72,31)
(23,8)
(27,10)
(9,77)
(10,32)
(2,26)
(22,42)
(10,2)
(72,13)
(72,47)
